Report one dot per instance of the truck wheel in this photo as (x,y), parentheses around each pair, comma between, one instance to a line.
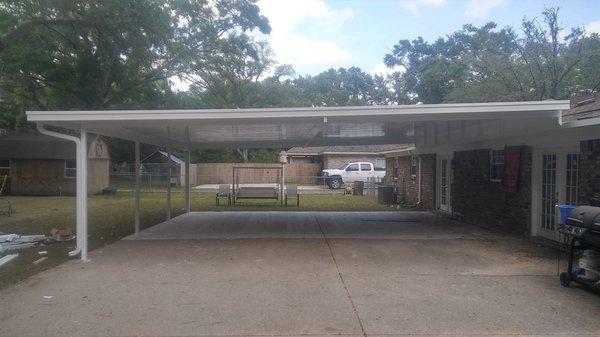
(334,183)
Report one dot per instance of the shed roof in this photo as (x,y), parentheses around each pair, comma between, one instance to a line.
(160,156)
(33,145)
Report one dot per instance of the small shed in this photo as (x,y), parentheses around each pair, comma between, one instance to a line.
(37,164)
(156,164)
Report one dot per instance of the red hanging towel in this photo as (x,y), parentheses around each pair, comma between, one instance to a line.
(512,163)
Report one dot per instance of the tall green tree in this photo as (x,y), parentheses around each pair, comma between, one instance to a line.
(340,87)
(94,54)
(485,63)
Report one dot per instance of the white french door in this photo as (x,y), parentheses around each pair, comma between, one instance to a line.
(556,181)
(444,183)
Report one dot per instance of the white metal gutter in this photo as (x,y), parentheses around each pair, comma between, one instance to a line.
(495,110)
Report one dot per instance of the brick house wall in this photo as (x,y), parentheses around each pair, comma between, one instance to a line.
(482,201)
(428,181)
(406,179)
(589,172)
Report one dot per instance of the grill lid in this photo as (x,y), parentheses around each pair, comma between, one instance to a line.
(584,216)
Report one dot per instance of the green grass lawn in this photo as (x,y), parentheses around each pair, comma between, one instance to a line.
(111,218)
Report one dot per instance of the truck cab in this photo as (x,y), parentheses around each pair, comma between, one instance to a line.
(351,172)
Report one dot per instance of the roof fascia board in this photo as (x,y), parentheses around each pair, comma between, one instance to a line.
(491,110)
(294,154)
(352,153)
(395,153)
(582,122)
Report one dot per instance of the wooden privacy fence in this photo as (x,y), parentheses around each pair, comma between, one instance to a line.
(221,173)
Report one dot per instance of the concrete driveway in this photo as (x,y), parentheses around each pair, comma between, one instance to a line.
(305,274)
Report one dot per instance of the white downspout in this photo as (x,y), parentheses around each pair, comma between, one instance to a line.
(78,185)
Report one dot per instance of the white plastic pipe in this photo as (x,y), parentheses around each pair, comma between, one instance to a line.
(81,199)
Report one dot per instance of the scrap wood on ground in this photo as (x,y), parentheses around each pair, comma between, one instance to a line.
(7,258)
(10,242)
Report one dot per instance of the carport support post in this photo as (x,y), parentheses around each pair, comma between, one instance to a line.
(136,191)
(83,196)
(168,183)
(187,182)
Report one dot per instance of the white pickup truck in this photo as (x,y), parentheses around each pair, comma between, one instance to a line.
(351,172)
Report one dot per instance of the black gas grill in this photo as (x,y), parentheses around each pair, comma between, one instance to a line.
(582,232)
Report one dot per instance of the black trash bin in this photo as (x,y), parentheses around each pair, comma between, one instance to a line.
(359,187)
(385,195)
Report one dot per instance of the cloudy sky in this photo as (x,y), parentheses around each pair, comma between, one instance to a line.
(315,35)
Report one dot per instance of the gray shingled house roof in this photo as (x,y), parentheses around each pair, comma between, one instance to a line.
(353,149)
(583,107)
(33,145)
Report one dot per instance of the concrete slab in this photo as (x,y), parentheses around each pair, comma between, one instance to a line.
(281,224)
(227,225)
(354,274)
(166,288)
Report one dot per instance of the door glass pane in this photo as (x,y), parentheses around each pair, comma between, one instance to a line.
(572,179)
(444,183)
(549,191)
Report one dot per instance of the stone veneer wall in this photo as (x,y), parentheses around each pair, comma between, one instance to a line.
(483,202)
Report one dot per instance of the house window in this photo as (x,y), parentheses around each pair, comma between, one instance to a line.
(413,165)
(496,165)
(70,169)
(396,168)
(4,167)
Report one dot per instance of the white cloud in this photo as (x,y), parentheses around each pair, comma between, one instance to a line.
(414,6)
(382,69)
(592,27)
(300,49)
(481,9)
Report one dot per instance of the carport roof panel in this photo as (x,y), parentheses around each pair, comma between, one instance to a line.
(282,127)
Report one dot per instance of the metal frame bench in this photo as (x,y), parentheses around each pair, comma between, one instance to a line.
(251,192)
(257,193)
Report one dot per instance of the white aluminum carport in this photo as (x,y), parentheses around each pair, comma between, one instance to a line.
(272,127)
